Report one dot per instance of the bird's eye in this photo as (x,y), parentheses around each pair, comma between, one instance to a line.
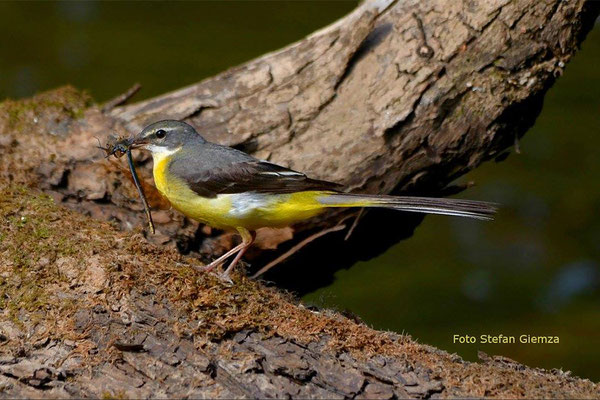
(161,133)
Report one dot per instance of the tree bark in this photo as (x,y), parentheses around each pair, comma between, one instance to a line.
(399,96)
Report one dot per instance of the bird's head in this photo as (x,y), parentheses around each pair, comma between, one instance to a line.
(166,137)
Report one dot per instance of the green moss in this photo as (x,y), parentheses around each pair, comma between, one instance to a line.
(37,287)
(66,247)
(42,233)
(26,238)
(116,395)
(52,106)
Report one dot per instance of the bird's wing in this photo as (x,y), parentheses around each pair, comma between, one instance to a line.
(224,175)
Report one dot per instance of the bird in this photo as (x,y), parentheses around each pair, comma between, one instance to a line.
(228,189)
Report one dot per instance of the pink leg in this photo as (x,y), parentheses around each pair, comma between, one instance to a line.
(247,240)
(213,264)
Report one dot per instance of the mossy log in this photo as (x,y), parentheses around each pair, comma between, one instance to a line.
(396,97)
(91,311)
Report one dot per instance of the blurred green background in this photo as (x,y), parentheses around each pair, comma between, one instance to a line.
(535,270)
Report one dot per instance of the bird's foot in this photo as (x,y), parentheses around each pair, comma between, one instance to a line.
(239,266)
(209,267)
(225,278)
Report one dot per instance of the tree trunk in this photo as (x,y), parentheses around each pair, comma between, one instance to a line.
(399,96)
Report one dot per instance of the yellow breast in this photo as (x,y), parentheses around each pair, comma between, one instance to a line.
(230,211)
(213,212)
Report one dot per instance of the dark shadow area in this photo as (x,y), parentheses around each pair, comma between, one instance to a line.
(314,266)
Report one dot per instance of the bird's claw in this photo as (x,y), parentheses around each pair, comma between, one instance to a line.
(225,279)
(207,268)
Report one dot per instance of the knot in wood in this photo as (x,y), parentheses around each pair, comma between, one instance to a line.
(425,51)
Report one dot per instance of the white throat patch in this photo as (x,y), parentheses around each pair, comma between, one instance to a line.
(161,151)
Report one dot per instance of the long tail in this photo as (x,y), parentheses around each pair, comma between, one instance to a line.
(428,205)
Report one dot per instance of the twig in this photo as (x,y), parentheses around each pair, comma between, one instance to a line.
(121,99)
(354,224)
(294,249)
(138,186)
(424,49)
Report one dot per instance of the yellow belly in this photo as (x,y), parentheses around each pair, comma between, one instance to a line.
(230,211)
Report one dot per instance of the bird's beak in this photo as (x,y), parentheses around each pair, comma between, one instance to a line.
(138,141)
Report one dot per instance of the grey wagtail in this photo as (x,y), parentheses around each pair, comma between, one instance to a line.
(228,189)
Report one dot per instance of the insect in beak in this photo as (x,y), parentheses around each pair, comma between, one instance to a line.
(116,146)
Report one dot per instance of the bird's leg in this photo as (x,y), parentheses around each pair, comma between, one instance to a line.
(213,264)
(247,240)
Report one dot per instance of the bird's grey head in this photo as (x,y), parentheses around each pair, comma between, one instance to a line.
(167,136)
